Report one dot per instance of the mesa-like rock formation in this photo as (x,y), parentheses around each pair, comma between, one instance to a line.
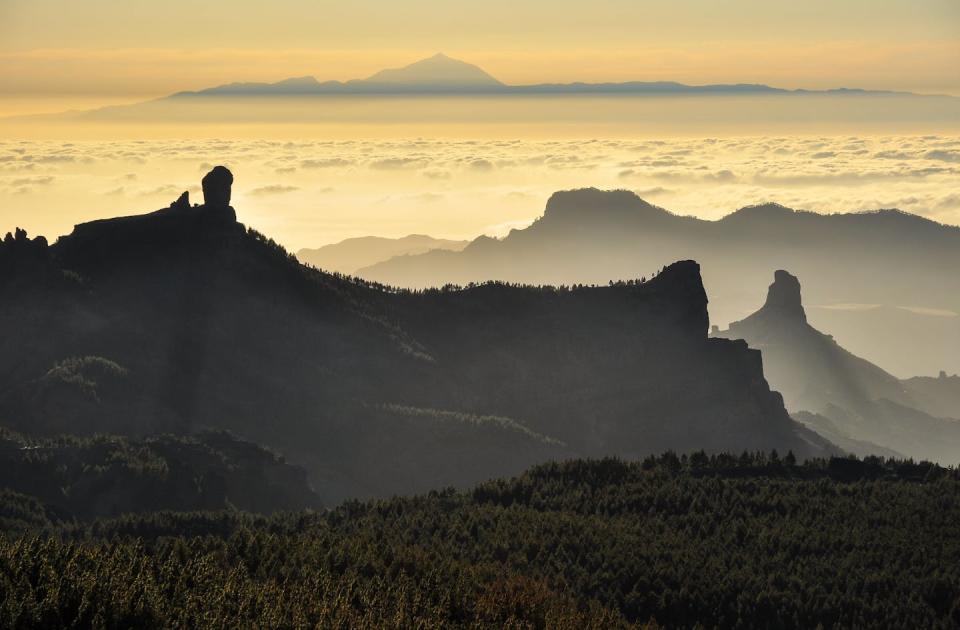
(140,237)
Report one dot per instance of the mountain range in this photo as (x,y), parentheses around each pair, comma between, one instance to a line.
(183,320)
(882,275)
(842,396)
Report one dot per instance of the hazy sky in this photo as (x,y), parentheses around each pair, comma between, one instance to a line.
(136,48)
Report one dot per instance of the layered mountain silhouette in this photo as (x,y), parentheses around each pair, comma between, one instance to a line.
(183,319)
(840,395)
(874,275)
(937,396)
(352,254)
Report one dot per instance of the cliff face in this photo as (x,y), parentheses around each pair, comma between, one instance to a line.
(618,370)
(375,392)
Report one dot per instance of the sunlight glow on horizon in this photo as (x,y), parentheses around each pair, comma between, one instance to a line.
(55,48)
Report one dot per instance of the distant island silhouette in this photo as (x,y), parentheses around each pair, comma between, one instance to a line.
(441,74)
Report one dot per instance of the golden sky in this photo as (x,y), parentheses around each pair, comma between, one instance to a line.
(142,48)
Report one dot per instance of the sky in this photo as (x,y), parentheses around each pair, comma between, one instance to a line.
(103,51)
(463,167)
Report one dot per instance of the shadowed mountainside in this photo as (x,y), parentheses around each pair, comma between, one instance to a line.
(877,275)
(847,397)
(183,319)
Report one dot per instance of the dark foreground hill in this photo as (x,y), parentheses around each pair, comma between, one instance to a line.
(874,275)
(71,478)
(731,542)
(843,396)
(183,319)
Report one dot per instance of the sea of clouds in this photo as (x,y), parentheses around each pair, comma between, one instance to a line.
(312,192)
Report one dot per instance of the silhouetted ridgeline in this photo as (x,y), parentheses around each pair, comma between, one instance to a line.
(441,74)
(748,541)
(887,262)
(183,319)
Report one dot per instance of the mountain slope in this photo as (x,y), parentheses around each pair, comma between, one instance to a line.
(183,319)
(852,396)
(881,258)
(355,253)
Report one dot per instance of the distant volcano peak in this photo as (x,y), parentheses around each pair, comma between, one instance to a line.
(436,70)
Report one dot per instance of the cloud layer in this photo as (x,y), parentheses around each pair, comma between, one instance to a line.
(306,193)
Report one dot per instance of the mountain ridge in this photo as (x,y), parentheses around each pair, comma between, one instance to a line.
(374,391)
(594,236)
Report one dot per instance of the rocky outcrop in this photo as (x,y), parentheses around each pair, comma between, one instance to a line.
(136,238)
(783,297)
(20,243)
(784,306)
(216,187)
(21,257)
(848,399)
(182,203)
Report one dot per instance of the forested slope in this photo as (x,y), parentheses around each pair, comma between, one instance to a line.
(724,541)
